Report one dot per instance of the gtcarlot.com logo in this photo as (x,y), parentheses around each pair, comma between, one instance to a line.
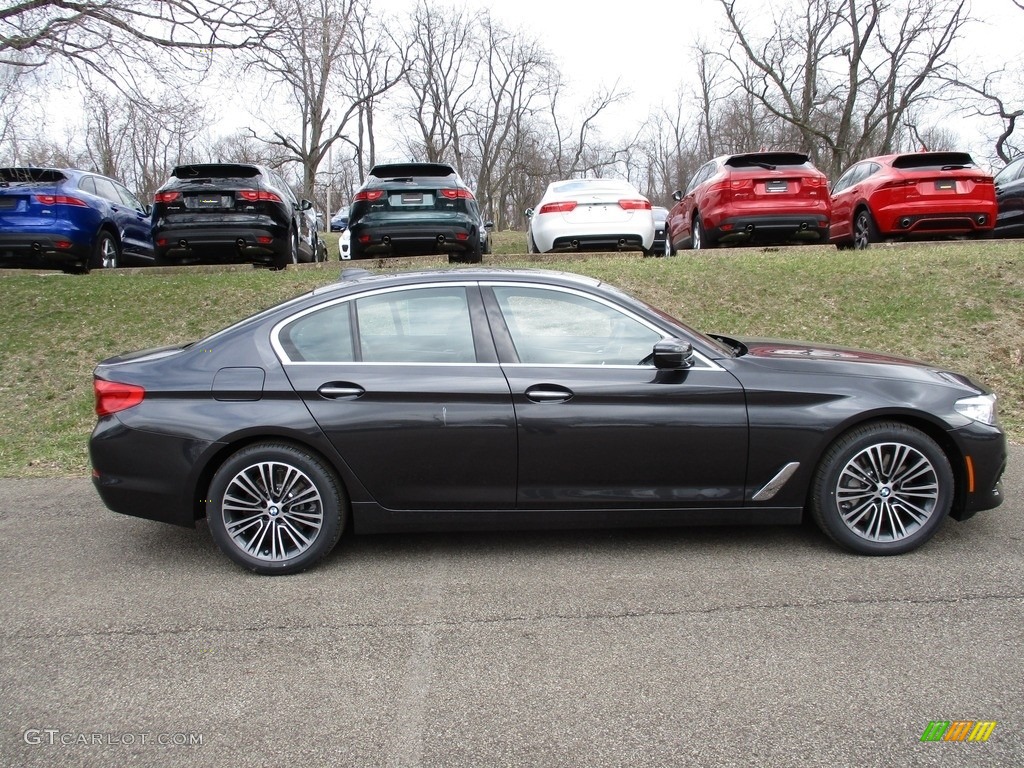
(958,730)
(52,737)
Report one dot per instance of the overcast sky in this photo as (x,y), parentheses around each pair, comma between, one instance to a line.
(645,44)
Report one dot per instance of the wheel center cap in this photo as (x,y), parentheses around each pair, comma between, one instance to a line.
(273,511)
(885,492)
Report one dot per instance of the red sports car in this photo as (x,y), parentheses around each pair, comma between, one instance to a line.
(754,197)
(919,195)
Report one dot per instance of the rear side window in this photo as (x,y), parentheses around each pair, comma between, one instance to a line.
(426,325)
(320,337)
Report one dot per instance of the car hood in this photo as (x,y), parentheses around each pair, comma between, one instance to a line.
(810,358)
(779,349)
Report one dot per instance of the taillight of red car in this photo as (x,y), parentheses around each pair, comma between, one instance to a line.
(565,206)
(113,396)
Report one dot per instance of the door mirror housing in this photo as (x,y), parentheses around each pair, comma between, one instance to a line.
(673,355)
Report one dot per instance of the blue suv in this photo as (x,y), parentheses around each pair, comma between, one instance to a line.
(71,220)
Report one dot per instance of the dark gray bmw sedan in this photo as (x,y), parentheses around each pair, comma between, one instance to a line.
(513,399)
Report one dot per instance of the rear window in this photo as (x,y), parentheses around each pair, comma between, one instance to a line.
(928,160)
(767,160)
(595,186)
(411,170)
(31,175)
(216,171)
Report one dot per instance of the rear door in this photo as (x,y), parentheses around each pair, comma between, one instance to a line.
(405,384)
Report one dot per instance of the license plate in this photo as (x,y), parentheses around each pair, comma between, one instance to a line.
(945,185)
(8,203)
(412,198)
(209,202)
(776,185)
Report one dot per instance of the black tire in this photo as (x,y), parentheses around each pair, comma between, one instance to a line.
(864,230)
(882,489)
(264,482)
(291,256)
(698,237)
(106,253)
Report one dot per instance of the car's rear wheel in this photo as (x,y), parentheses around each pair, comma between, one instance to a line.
(864,230)
(882,489)
(106,254)
(698,238)
(275,509)
(291,256)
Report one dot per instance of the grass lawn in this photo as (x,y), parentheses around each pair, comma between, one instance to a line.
(958,305)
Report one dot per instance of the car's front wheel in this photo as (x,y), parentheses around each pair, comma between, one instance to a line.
(882,489)
(274,508)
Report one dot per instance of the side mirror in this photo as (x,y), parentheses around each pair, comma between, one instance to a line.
(305,205)
(673,355)
(677,195)
(529,213)
(488,225)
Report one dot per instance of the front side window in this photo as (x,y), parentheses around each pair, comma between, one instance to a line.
(550,327)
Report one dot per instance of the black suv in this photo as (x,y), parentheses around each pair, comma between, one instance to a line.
(231,212)
(412,209)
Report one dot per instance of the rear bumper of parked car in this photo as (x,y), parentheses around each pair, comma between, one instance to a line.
(225,244)
(810,227)
(396,238)
(36,248)
(968,220)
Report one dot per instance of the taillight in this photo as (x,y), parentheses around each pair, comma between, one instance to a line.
(113,396)
(256,195)
(59,200)
(563,207)
(369,195)
(635,205)
(457,194)
(166,197)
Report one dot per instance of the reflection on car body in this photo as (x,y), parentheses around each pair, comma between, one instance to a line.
(478,399)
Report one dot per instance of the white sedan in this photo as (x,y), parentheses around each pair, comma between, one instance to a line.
(591,215)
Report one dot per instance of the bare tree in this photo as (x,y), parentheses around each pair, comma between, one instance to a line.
(307,52)
(90,31)
(846,73)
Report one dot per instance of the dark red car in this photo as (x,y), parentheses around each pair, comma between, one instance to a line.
(920,195)
(775,197)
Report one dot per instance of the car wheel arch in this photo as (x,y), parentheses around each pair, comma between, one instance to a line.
(921,422)
(233,444)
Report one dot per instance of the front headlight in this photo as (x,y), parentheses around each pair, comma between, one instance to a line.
(980,408)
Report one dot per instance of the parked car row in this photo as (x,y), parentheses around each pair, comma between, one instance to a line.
(240,212)
(781,197)
(214,212)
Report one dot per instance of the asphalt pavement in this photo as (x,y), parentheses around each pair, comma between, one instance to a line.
(126,642)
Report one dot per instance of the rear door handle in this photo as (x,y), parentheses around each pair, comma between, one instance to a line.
(549,393)
(340,391)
